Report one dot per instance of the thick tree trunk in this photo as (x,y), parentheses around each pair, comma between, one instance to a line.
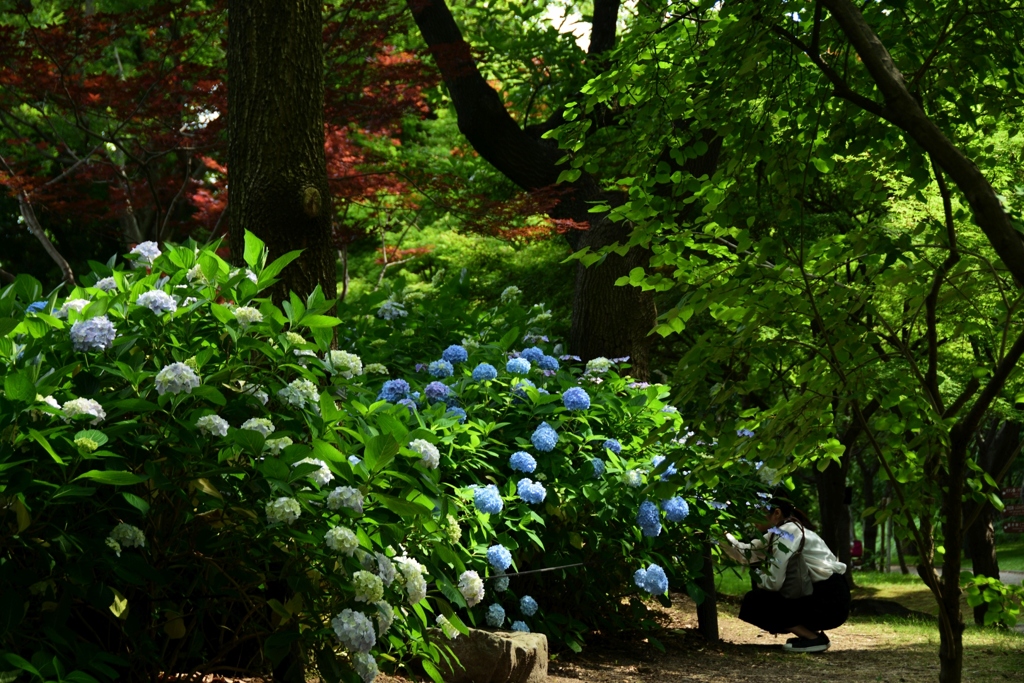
(607,320)
(276,161)
(867,479)
(835,515)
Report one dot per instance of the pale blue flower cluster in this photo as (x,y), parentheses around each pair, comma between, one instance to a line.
(782,533)
(36,306)
(548,363)
(484,372)
(544,438)
(520,626)
(158,301)
(147,252)
(458,412)
(499,557)
(745,433)
(436,391)
(598,465)
(528,605)
(440,368)
(455,354)
(532,354)
(521,461)
(648,520)
(652,580)
(669,471)
(530,491)
(519,390)
(517,366)
(501,584)
(576,398)
(94,334)
(495,616)
(612,445)
(487,499)
(354,630)
(394,390)
(676,509)
(176,378)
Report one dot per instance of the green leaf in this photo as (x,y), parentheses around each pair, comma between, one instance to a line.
(136,502)
(319,321)
(254,247)
(112,477)
(6,325)
(326,451)
(404,508)
(211,394)
(20,387)
(93,434)
(277,266)
(41,440)
(509,339)
(431,670)
(249,439)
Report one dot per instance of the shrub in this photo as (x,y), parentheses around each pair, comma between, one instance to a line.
(217,481)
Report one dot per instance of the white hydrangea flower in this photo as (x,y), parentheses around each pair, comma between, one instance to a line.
(599,365)
(510,294)
(385,617)
(294,338)
(247,315)
(634,479)
(213,424)
(430,457)
(322,476)
(375,368)
(342,539)
(126,535)
(354,630)
(365,665)
(472,587)
(299,393)
(345,496)
(768,475)
(75,305)
(189,300)
(391,309)
(176,378)
(147,253)
(94,334)
(195,274)
(84,406)
(158,301)
(48,400)
(412,576)
(107,284)
(385,568)
(249,275)
(369,587)
(344,363)
(259,424)
(275,446)
(284,510)
(447,628)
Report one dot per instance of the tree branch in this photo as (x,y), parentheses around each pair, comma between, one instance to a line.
(33,226)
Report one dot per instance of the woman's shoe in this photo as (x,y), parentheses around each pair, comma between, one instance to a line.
(819,644)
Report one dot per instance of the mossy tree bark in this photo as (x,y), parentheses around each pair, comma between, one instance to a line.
(276,162)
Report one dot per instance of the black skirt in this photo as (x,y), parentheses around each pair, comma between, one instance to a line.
(826,608)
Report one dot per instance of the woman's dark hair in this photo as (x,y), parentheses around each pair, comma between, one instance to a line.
(790,511)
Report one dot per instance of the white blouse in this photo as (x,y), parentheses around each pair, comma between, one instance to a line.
(821,562)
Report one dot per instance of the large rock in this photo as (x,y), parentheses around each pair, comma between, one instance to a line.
(498,657)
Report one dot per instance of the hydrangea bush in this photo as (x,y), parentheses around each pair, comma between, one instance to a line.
(195,478)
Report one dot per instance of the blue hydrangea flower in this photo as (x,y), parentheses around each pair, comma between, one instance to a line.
(544,438)
(487,499)
(648,520)
(354,460)
(436,391)
(499,557)
(745,432)
(548,363)
(528,605)
(519,390)
(676,509)
(408,403)
(520,626)
(532,354)
(598,465)
(495,616)
(36,306)
(530,491)
(517,366)
(669,471)
(612,445)
(501,584)
(94,334)
(455,354)
(652,580)
(394,390)
(785,535)
(484,372)
(576,398)
(440,368)
(521,461)
(457,412)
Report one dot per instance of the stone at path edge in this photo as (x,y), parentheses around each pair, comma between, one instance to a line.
(497,657)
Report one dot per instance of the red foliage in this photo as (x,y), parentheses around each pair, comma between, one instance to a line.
(393,253)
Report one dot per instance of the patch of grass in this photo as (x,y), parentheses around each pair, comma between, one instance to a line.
(1010,552)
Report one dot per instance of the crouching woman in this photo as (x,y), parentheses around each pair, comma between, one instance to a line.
(799,584)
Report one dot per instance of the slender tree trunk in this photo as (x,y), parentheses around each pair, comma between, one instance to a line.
(707,610)
(277,166)
(867,475)
(835,514)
